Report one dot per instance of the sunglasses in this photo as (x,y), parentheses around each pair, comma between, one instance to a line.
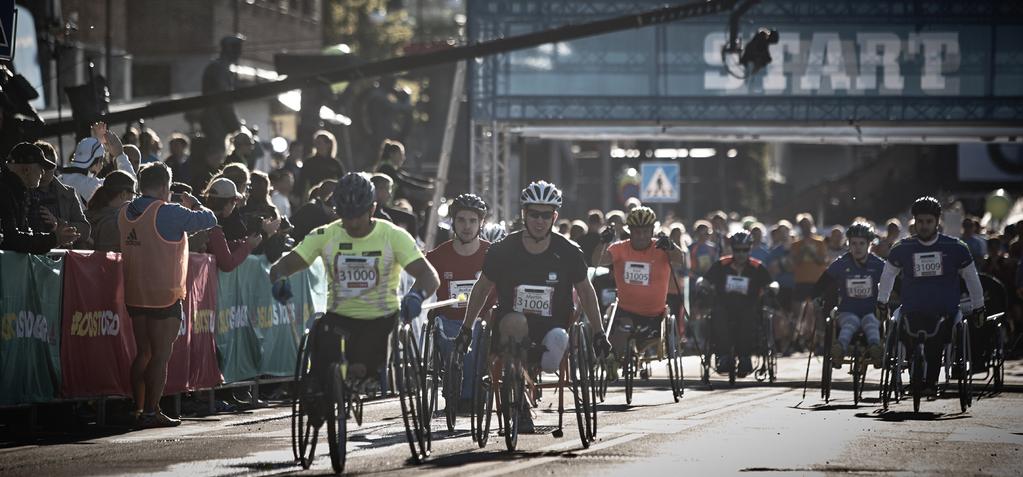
(533,214)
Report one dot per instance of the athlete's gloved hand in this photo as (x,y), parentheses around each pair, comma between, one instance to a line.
(282,290)
(664,243)
(412,304)
(463,339)
(607,235)
(601,345)
(978,317)
(883,312)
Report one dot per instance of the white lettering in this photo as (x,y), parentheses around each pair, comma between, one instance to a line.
(775,81)
(941,55)
(825,60)
(718,78)
(879,51)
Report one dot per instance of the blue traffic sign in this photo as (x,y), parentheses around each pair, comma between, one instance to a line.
(7,26)
(660,182)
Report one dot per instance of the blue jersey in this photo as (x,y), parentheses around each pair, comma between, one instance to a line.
(782,256)
(930,273)
(856,284)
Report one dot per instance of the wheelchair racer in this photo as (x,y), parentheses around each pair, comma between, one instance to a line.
(364,258)
(738,283)
(535,273)
(853,277)
(642,271)
(459,262)
(930,265)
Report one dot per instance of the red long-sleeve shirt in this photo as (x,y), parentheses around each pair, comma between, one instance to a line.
(228,256)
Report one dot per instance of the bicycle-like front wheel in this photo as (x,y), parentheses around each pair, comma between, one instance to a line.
(412,393)
(674,350)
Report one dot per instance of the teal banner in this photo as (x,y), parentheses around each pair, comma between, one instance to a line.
(280,337)
(243,302)
(30,297)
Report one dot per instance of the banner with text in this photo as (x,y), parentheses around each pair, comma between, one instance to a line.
(29,328)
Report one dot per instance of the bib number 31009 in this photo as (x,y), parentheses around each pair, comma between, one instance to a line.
(355,275)
(927,264)
(534,300)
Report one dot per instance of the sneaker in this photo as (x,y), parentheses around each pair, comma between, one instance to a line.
(158,419)
(875,354)
(837,355)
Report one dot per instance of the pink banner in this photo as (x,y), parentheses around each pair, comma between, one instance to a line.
(201,305)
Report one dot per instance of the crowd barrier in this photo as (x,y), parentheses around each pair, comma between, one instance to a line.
(65,332)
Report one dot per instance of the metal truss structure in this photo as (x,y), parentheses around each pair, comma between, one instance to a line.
(490,166)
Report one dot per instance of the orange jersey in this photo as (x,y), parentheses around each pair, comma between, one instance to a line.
(809,259)
(641,277)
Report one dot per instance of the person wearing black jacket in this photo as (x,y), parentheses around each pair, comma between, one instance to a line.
(21,173)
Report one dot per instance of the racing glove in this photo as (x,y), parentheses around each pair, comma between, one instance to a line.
(412,304)
(282,290)
(607,235)
(664,243)
(601,345)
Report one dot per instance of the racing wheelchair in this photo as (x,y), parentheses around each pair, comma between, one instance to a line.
(642,341)
(855,357)
(504,381)
(766,366)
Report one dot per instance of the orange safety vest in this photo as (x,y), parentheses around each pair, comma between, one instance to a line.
(154,268)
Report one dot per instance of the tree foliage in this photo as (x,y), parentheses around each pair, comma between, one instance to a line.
(372,31)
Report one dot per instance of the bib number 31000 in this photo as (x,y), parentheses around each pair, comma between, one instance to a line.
(355,275)
(534,300)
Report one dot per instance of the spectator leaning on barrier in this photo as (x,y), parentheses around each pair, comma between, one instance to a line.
(222,197)
(53,203)
(261,215)
(118,189)
(21,173)
(154,248)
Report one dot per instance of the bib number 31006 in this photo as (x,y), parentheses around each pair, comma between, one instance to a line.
(534,300)
(355,275)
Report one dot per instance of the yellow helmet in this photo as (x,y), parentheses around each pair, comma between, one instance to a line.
(641,217)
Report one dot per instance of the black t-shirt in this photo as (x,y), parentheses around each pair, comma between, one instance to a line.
(540,286)
(737,289)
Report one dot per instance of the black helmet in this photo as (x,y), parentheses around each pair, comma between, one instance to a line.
(471,202)
(741,239)
(860,230)
(926,205)
(354,195)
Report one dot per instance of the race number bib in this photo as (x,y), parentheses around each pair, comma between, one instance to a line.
(637,273)
(459,287)
(534,300)
(734,284)
(859,287)
(927,264)
(355,275)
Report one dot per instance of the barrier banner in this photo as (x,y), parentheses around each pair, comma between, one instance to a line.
(178,366)
(29,328)
(280,339)
(97,344)
(243,301)
(201,306)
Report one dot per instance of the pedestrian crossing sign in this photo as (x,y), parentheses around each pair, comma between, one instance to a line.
(660,182)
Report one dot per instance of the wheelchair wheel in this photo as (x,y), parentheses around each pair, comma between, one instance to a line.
(961,361)
(858,369)
(412,393)
(826,369)
(600,378)
(916,373)
(337,421)
(433,367)
(998,358)
(452,388)
(629,369)
(483,391)
(512,400)
(673,346)
(891,372)
(581,380)
(303,432)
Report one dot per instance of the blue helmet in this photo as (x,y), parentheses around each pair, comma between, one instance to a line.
(354,195)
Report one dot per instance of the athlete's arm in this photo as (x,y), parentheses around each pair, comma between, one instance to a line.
(969,274)
(477,299)
(884,288)
(286,266)
(600,256)
(588,300)
(426,277)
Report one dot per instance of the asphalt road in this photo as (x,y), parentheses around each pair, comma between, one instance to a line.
(750,428)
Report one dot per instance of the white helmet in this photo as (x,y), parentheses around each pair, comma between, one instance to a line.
(492,232)
(541,193)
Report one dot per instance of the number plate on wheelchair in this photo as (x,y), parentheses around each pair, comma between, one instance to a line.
(534,300)
(637,273)
(355,275)
(859,287)
(927,264)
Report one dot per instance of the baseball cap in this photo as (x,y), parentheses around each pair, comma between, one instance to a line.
(87,152)
(28,153)
(223,188)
